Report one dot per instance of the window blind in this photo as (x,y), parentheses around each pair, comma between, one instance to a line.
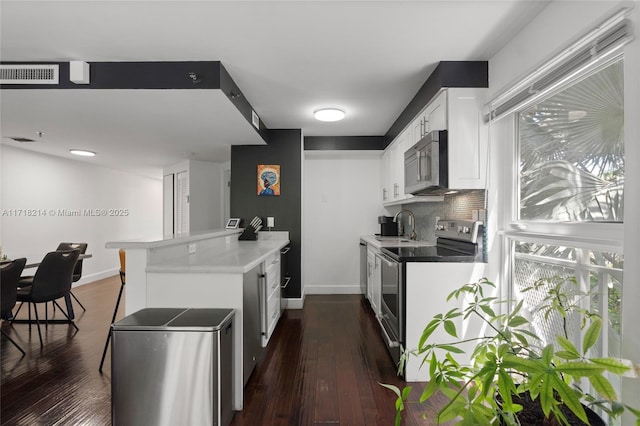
(600,46)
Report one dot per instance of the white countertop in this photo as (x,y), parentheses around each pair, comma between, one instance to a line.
(394,241)
(237,257)
(168,240)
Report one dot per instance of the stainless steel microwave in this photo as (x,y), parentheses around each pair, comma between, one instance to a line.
(426,165)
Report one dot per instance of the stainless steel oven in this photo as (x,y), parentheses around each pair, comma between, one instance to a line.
(392,304)
(457,241)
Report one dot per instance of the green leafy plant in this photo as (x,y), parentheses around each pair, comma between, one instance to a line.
(511,368)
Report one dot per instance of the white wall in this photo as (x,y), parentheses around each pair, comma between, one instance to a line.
(206,203)
(36,181)
(207,193)
(554,29)
(341,202)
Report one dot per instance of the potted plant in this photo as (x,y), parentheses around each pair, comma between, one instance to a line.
(513,373)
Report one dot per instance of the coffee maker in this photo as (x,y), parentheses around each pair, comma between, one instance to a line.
(388,228)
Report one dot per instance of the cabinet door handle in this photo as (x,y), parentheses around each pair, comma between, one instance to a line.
(287,280)
(262,297)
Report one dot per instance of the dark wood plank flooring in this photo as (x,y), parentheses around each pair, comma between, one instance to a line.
(323,366)
(60,383)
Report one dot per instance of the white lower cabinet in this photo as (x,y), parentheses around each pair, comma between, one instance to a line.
(427,286)
(374,280)
(270,297)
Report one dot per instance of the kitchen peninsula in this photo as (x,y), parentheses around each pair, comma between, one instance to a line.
(211,269)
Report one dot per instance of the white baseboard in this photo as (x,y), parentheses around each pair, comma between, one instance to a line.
(297,303)
(332,289)
(86,279)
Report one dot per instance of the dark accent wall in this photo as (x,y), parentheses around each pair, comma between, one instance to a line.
(285,149)
(446,74)
(318,143)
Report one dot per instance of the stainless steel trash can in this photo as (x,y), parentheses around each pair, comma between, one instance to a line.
(172,367)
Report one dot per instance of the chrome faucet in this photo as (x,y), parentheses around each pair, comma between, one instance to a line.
(412,222)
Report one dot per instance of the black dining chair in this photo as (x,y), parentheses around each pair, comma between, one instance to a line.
(77,271)
(52,281)
(115,310)
(77,274)
(9,276)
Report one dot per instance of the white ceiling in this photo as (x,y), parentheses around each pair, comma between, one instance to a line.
(289,58)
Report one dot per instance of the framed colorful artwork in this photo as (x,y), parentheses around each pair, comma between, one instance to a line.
(268,179)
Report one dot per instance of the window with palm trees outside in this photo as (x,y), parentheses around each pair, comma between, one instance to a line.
(572,152)
(571,181)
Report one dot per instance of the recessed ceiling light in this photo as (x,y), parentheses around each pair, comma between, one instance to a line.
(329,114)
(82,152)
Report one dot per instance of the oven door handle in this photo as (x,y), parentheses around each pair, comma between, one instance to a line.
(390,342)
(389,261)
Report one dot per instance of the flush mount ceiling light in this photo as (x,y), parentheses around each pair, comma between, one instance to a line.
(82,152)
(329,114)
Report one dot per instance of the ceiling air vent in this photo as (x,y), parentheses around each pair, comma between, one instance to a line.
(29,74)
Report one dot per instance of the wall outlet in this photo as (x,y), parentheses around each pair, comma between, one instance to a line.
(192,248)
(482,216)
(270,222)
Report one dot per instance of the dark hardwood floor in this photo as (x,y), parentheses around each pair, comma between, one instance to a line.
(323,366)
(60,383)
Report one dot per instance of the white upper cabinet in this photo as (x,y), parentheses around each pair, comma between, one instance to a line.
(385,174)
(432,117)
(457,110)
(393,168)
(467,138)
(436,113)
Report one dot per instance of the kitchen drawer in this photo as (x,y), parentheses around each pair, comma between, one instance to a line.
(272,263)
(273,283)
(272,315)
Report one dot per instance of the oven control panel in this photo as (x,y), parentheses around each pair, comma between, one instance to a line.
(461,230)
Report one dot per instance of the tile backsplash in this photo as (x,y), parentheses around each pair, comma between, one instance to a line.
(454,206)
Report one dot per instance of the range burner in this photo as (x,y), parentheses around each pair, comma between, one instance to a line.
(458,241)
(429,254)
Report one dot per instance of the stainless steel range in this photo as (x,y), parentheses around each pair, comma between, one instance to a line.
(457,241)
